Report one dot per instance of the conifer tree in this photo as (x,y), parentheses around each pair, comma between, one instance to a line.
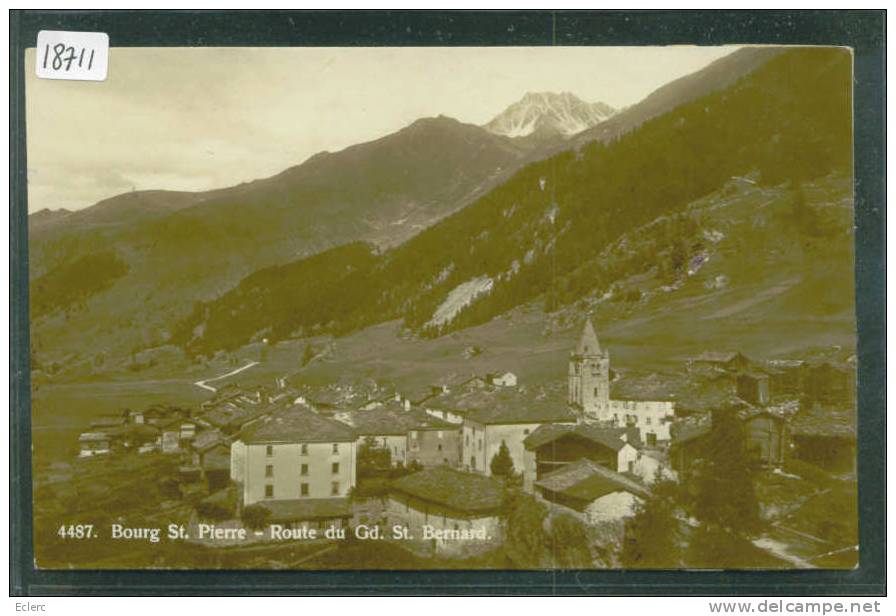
(502,464)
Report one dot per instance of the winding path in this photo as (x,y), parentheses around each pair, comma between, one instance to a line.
(205,383)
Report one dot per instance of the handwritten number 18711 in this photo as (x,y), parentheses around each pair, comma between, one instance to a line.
(64,55)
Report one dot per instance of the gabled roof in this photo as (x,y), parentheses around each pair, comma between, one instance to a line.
(307,509)
(465,492)
(506,405)
(387,420)
(297,424)
(719,357)
(588,344)
(606,437)
(587,481)
(207,439)
(232,414)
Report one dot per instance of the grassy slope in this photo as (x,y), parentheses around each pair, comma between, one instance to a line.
(783,299)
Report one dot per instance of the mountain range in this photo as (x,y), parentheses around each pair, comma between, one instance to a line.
(520,210)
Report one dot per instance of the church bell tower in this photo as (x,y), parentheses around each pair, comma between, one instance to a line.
(589,377)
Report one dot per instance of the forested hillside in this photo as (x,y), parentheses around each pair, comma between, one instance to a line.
(786,123)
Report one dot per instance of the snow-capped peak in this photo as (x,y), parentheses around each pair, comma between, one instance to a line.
(548,114)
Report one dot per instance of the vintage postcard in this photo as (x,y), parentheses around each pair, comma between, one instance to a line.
(428,308)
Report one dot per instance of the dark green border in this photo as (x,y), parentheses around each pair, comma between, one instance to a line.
(864,31)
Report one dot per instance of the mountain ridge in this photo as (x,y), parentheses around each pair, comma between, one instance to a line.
(548,115)
(532,235)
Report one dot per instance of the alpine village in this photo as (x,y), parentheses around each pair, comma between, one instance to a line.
(625,344)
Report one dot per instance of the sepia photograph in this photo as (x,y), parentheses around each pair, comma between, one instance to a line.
(443,308)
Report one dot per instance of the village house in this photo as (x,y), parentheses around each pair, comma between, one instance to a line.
(690,443)
(591,492)
(825,435)
(94,444)
(447,511)
(454,397)
(508,418)
(210,452)
(318,513)
(731,361)
(454,406)
(753,387)
(294,458)
(410,435)
(176,432)
(507,379)
(589,394)
(766,437)
(785,376)
(236,412)
(159,413)
(110,435)
(553,446)
(830,383)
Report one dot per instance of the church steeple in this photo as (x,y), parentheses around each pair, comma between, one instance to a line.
(589,377)
(588,344)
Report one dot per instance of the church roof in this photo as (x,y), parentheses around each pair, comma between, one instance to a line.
(588,344)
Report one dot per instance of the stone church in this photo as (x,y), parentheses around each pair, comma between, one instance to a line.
(589,394)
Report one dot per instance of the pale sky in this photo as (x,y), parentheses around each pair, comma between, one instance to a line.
(202,118)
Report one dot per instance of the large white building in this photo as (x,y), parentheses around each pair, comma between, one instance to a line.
(295,459)
(589,393)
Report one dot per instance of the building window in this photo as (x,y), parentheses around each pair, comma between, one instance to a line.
(526,431)
(303,489)
(269,491)
(335,468)
(335,447)
(269,450)
(473,462)
(304,469)
(304,449)
(480,444)
(466,440)
(595,392)
(269,470)
(647,420)
(440,446)
(334,488)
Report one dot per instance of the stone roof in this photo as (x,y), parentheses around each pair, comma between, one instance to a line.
(297,424)
(587,481)
(207,439)
(307,509)
(506,405)
(721,357)
(233,414)
(607,437)
(465,492)
(392,421)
